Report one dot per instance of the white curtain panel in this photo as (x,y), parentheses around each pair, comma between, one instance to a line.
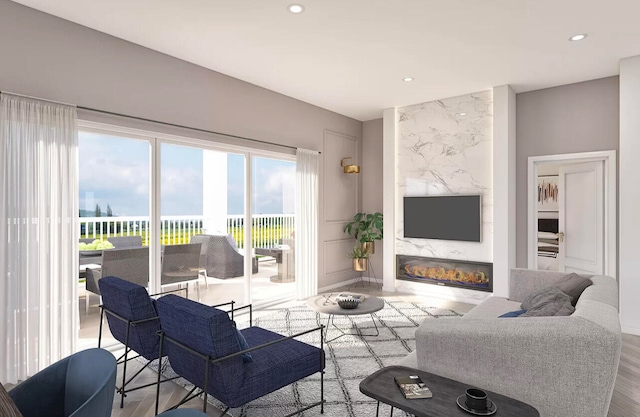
(307,172)
(38,235)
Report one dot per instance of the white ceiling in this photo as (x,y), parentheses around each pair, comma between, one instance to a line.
(350,56)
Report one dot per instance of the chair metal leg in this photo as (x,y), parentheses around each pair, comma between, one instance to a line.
(322,392)
(206,386)
(203,273)
(159,370)
(100,333)
(124,365)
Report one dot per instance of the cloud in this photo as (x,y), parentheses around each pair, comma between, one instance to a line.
(274,188)
(115,171)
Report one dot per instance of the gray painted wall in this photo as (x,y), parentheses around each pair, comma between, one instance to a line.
(579,117)
(51,58)
(371,172)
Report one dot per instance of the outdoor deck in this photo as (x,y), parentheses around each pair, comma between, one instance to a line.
(219,291)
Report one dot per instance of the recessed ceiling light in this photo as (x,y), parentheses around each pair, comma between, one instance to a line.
(407,79)
(462,114)
(296,8)
(578,37)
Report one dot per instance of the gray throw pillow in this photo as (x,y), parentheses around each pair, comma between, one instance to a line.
(573,285)
(549,301)
(7,407)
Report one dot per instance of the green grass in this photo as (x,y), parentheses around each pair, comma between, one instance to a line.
(260,236)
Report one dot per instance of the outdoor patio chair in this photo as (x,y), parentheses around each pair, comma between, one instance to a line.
(119,242)
(205,348)
(181,265)
(128,264)
(221,257)
(80,385)
(133,321)
(126,241)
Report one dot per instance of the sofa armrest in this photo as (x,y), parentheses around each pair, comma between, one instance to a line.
(552,363)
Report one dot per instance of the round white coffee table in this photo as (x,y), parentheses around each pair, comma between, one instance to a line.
(327,304)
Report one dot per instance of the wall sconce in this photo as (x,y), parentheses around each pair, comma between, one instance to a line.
(349,168)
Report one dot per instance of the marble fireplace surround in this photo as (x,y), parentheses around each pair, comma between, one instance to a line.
(445,147)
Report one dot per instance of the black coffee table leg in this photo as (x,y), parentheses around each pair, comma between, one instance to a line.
(343,333)
(374,324)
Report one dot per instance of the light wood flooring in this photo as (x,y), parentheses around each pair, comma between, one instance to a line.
(625,401)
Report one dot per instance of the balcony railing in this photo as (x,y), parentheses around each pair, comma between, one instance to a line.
(267,229)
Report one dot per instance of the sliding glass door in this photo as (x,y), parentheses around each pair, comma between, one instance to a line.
(273,214)
(202,223)
(214,219)
(114,209)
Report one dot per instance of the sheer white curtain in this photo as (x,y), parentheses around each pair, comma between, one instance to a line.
(38,234)
(307,171)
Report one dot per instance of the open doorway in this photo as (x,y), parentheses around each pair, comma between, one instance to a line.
(572,213)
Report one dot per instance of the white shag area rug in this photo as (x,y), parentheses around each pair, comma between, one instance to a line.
(349,359)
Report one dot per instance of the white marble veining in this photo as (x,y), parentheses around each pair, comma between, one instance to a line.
(445,147)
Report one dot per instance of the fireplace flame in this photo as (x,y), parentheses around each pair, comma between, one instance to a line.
(456,275)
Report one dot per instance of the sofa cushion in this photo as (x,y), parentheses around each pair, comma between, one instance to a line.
(549,301)
(492,307)
(7,407)
(573,285)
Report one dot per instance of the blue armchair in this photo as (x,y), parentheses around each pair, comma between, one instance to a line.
(204,347)
(80,385)
(133,321)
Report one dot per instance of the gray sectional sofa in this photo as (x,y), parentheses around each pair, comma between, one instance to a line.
(564,366)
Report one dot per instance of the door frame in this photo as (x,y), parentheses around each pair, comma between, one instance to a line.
(610,203)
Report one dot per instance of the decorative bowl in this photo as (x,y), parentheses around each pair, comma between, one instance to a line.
(348,303)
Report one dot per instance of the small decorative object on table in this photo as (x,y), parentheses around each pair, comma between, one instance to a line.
(343,295)
(347,302)
(412,387)
(475,402)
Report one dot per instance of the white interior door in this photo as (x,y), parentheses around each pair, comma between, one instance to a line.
(581,218)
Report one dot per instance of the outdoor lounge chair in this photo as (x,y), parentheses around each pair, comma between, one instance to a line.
(126,241)
(128,264)
(181,265)
(220,256)
(204,347)
(80,385)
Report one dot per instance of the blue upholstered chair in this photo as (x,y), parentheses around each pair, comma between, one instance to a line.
(204,348)
(133,321)
(80,385)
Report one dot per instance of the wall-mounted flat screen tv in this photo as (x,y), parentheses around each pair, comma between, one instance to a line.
(445,217)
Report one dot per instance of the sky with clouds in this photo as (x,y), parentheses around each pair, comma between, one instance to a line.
(114,171)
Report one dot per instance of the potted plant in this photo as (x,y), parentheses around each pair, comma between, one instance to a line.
(366,228)
(359,256)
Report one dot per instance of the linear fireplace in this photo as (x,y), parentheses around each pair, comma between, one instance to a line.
(448,272)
